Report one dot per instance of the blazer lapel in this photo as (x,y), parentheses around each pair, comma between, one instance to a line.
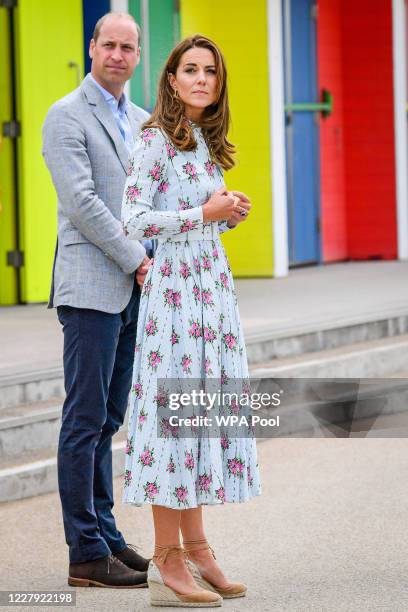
(104,114)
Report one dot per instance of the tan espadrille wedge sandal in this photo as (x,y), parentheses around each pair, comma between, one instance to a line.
(163,595)
(234,589)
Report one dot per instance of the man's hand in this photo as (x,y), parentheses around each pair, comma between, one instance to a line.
(142,271)
(241,210)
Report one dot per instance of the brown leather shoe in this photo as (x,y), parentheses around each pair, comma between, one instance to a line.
(106,572)
(130,557)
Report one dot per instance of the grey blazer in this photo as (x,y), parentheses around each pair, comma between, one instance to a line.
(94,261)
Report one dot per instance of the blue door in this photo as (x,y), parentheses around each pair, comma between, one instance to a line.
(302,131)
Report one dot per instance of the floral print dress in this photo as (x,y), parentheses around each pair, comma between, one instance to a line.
(188,326)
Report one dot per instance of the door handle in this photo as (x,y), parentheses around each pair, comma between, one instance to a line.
(325,106)
(75,65)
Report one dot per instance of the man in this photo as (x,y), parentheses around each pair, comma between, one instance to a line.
(87,137)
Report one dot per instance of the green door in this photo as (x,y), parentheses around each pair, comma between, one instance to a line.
(48,63)
(160,23)
(8,238)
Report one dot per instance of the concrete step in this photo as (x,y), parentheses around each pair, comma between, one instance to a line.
(378,358)
(19,387)
(35,472)
(31,386)
(29,427)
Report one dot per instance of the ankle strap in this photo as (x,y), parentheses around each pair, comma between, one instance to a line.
(162,552)
(195,545)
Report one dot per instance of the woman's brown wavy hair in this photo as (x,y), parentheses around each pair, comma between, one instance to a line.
(168,113)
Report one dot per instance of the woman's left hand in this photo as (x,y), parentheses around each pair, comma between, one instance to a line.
(241,208)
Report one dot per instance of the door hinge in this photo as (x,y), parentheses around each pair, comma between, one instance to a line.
(8,3)
(11,129)
(314,11)
(15,259)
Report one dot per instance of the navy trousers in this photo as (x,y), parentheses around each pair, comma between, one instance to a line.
(98,362)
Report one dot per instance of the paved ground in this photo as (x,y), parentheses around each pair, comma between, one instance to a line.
(319,296)
(327,535)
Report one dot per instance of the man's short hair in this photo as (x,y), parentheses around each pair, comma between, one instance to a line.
(102,20)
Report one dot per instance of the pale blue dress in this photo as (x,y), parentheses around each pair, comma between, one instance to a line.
(188,327)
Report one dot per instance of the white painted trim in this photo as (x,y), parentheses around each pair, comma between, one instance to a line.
(277,138)
(400,122)
(122,6)
(144,18)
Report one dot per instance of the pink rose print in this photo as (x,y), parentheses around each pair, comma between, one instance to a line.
(142,418)
(215,252)
(196,293)
(210,167)
(154,359)
(167,430)
(206,297)
(246,388)
(181,494)
(151,489)
(171,151)
(147,136)
(189,461)
(151,327)
(184,204)
(184,270)
(220,494)
(195,330)
(171,466)
(137,390)
(172,298)
(191,172)
(204,481)
(131,168)
(188,225)
(132,193)
(225,442)
(207,367)
(147,287)
(224,377)
(174,339)
(234,407)
(224,280)
(206,262)
(165,269)
(152,230)
(129,446)
(230,341)
(146,457)
(163,187)
(209,334)
(128,477)
(236,467)
(186,362)
(156,172)
(162,398)
(197,265)
(220,322)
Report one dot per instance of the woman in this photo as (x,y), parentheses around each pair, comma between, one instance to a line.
(188,322)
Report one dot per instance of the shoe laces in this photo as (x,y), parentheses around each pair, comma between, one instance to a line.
(112,560)
(134,547)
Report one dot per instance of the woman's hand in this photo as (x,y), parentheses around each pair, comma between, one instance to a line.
(220,206)
(241,208)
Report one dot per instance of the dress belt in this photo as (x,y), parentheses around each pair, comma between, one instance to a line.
(209,231)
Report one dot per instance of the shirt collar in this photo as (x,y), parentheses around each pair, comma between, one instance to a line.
(120,105)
